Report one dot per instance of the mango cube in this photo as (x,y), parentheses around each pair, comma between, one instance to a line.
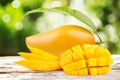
(86,60)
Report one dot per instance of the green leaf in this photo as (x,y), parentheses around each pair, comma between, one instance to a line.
(65,10)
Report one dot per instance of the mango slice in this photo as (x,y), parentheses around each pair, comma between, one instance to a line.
(39,60)
(42,53)
(33,56)
(86,60)
(40,65)
(80,60)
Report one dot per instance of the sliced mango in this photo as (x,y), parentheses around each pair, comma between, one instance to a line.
(101,52)
(78,53)
(94,71)
(42,53)
(88,59)
(66,60)
(39,60)
(40,65)
(32,56)
(78,61)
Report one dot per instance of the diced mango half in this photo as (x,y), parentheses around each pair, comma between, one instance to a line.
(88,59)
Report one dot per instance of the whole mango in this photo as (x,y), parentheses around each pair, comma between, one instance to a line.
(60,39)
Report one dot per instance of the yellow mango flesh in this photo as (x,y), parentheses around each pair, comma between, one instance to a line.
(42,53)
(40,64)
(78,61)
(88,59)
(39,60)
(33,56)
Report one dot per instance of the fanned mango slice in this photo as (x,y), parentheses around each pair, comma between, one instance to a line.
(32,56)
(39,60)
(42,53)
(40,65)
(88,59)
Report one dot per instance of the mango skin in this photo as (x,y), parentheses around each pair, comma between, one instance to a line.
(60,39)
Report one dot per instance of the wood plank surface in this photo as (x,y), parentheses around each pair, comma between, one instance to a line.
(11,71)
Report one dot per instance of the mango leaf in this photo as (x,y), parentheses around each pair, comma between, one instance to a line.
(65,10)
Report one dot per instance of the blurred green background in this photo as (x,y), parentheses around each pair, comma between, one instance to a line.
(14,26)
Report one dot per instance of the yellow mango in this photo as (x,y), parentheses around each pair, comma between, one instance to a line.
(32,56)
(89,53)
(74,66)
(82,60)
(99,62)
(89,50)
(104,61)
(37,61)
(98,70)
(60,39)
(81,63)
(42,53)
(40,65)
(103,70)
(93,71)
(88,59)
(47,47)
(101,52)
(75,73)
(83,72)
(67,59)
(65,53)
(69,56)
(78,53)
(92,62)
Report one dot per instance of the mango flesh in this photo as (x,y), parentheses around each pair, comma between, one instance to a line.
(57,49)
(60,39)
(42,62)
(77,61)
(86,60)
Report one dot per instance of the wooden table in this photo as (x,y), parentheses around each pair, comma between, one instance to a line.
(11,71)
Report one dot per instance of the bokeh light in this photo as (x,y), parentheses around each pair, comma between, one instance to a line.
(6,17)
(19,25)
(16,3)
